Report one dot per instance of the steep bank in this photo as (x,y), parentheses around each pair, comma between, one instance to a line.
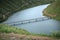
(53,10)
(10,6)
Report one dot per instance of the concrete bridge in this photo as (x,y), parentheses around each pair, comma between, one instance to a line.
(28,21)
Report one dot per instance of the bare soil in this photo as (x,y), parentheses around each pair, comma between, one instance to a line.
(12,36)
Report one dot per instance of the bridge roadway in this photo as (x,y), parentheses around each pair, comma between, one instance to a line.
(27,21)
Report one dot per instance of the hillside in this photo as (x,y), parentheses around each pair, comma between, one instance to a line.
(11,6)
(53,10)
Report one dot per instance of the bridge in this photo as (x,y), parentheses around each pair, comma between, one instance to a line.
(27,21)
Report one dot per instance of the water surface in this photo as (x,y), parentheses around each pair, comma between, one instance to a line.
(46,26)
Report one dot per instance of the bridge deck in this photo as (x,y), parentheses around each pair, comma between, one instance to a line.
(28,21)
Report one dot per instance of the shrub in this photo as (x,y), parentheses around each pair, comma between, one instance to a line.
(10,29)
(56,34)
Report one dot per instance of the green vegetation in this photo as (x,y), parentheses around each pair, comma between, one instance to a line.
(56,34)
(10,29)
(53,10)
(11,6)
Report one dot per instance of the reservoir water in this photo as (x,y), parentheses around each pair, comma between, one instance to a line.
(45,27)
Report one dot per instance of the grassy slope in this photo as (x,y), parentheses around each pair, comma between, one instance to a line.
(53,10)
(10,29)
